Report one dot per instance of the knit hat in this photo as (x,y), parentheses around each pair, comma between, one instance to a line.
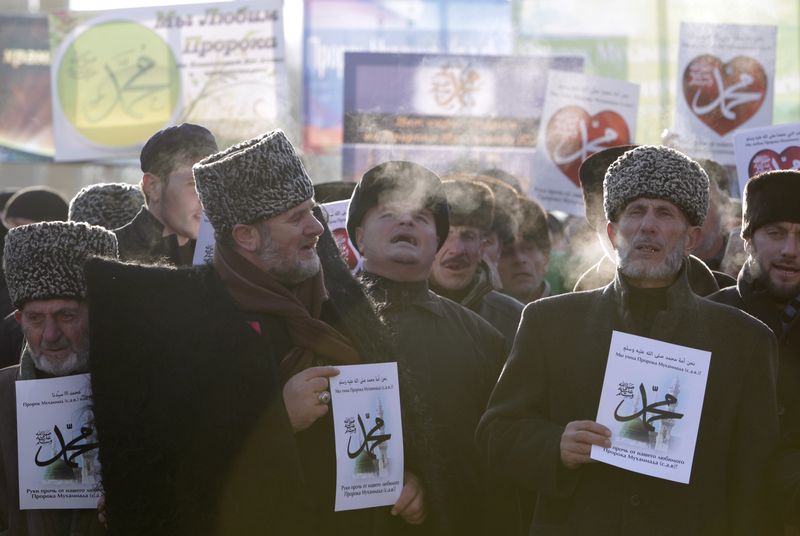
(172,140)
(591,173)
(45,260)
(255,179)
(656,172)
(405,181)
(37,203)
(471,203)
(770,197)
(109,205)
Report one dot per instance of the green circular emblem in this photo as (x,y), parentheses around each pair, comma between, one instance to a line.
(118,82)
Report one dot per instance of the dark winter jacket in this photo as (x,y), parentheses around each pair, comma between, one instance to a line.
(501,311)
(141,241)
(554,376)
(11,341)
(702,280)
(14,521)
(195,438)
(458,356)
(751,297)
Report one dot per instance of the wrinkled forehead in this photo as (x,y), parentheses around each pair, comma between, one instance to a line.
(653,202)
(404,200)
(53,306)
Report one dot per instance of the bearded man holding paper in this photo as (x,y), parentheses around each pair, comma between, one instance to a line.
(539,428)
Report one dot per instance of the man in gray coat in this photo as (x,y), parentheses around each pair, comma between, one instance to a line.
(539,427)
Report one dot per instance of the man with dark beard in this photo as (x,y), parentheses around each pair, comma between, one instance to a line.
(768,288)
(44,269)
(227,394)
(539,427)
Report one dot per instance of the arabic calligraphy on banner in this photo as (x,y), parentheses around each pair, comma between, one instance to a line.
(652,401)
(582,115)
(120,76)
(726,83)
(57,446)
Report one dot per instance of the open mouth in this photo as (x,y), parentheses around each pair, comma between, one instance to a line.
(455,264)
(404,238)
(647,248)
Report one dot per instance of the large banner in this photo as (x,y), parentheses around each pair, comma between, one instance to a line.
(333,27)
(582,115)
(447,112)
(26,122)
(726,80)
(120,76)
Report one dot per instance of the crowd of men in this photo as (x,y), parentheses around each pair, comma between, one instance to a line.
(211,383)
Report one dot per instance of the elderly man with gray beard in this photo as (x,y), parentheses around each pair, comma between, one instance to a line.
(539,427)
(44,270)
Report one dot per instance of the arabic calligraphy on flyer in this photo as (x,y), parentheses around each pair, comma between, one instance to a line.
(582,115)
(368,434)
(57,444)
(652,401)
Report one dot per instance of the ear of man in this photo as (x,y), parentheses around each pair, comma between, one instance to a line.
(246,237)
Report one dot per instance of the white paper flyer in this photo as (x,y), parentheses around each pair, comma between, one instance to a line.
(582,115)
(57,445)
(766,149)
(369,435)
(652,401)
(337,223)
(726,80)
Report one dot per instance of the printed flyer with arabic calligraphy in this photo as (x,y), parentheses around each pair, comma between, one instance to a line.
(726,81)
(582,115)
(56,444)
(369,435)
(766,149)
(652,401)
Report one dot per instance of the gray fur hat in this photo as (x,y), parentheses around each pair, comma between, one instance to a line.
(255,179)
(45,260)
(656,172)
(109,205)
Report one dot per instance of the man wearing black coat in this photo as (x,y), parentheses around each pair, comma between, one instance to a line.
(540,424)
(217,420)
(768,287)
(398,216)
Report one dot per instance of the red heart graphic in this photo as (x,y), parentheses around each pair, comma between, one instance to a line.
(767,160)
(572,135)
(724,95)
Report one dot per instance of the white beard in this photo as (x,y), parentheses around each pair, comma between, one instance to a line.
(74,363)
(641,269)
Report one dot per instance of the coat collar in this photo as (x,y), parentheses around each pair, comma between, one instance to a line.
(681,302)
(388,294)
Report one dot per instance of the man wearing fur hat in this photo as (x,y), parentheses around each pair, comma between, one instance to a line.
(166,227)
(44,269)
(398,217)
(459,271)
(539,427)
(230,386)
(768,288)
(702,279)
(110,205)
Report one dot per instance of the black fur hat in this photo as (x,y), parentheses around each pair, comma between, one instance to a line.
(404,180)
(471,203)
(770,197)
